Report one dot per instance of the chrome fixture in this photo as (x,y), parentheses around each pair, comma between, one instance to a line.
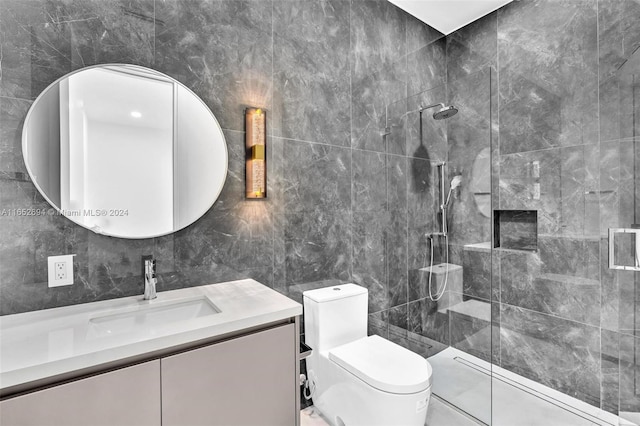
(150,279)
(387,129)
(443,113)
(444,201)
(455,182)
(444,232)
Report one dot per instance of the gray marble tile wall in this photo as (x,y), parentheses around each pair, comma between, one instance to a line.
(551,83)
(345,204)
(564,79)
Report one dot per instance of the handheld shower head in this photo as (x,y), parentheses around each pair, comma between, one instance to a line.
(455,182)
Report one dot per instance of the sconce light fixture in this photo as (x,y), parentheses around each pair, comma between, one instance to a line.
(255,120)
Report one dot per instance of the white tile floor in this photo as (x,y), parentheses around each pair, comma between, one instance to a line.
(312,417)
(438,414)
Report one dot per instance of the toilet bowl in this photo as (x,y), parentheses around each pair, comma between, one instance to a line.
(355,379)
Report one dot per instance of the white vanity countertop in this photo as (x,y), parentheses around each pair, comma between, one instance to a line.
(53,342)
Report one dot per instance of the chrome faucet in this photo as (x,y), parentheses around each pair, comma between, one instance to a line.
(150,279)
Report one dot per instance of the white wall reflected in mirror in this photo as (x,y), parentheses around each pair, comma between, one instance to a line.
(120,129)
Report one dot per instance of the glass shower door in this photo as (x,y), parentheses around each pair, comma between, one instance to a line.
(620,205)
(566,289)
(461,259)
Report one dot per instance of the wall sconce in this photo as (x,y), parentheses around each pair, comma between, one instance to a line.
(255,122)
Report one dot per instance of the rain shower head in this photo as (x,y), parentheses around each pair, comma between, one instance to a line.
(445,112)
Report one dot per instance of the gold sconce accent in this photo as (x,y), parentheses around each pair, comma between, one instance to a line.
(255,120)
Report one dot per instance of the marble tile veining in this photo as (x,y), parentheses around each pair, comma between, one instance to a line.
(547,94)
(472,48)
(42,41)
(309,64)
(529,339)
(312,100)
(227,62)
(347,203)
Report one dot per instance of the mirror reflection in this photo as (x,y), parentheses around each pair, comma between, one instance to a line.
(125,151)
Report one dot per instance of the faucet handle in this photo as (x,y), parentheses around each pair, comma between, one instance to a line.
(148,266)
(152,268)
(150,280)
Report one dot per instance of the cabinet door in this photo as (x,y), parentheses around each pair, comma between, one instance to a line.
(249,380)
(129,396)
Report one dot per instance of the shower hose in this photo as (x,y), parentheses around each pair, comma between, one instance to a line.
(439,293)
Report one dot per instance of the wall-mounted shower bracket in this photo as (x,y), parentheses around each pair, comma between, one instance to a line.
(612,260)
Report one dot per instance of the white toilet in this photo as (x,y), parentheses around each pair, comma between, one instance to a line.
(360,380)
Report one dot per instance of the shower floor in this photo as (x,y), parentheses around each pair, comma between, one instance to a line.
(466,382)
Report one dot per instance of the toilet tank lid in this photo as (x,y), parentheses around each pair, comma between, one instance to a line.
(334,292)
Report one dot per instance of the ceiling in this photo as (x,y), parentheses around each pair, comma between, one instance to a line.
(447,16)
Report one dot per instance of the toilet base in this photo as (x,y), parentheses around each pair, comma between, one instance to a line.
(345,400)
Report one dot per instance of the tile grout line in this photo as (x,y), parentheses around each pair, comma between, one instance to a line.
(549,315)
(583,145)
(17,98)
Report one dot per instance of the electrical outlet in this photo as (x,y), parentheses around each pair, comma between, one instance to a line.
(60,270)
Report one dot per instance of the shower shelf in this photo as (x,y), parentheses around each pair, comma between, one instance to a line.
(516,230)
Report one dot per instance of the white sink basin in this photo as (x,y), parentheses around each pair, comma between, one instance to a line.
(52,343)
(150,318)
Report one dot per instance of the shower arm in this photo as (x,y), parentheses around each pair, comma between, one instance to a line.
(387,129)
(422,108)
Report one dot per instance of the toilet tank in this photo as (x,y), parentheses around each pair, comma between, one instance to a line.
(335,315)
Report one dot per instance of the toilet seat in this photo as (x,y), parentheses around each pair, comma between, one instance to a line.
(384,365)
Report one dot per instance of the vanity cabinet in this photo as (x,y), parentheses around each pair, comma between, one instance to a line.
(248,380)
(128,396)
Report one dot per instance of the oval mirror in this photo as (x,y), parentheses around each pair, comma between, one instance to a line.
(125,151)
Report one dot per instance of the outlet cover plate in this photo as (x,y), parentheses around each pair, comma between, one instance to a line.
(67,261)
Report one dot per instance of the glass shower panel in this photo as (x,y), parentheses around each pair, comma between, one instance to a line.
(426,148)
(448,316)
(567,341)
(620,197)
(462,370)
(546,253)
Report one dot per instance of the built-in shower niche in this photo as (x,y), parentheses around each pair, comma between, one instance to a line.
(515,229)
